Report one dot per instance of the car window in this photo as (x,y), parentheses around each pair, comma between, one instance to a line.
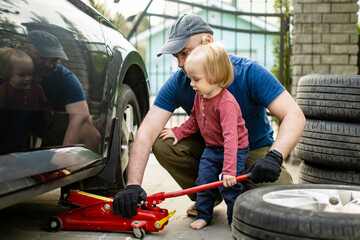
(65,91)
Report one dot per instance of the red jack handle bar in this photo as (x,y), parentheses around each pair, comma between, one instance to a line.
(204,187)
(159,197)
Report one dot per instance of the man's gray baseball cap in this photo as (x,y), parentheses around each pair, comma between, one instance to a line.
(180,32)
(46,44)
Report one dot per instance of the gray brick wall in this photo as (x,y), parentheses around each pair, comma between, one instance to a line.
(324,38)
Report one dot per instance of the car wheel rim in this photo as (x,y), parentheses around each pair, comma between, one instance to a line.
(128,131)
(325,200)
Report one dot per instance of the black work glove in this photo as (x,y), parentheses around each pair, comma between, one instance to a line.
(266,169)
(126,200)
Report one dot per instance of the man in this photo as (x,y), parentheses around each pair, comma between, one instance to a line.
(255,89)
(61,87)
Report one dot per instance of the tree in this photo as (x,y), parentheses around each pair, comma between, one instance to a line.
(120,22)
(118,19)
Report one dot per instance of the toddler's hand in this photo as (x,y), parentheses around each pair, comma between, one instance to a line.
(168,133)
(229,180)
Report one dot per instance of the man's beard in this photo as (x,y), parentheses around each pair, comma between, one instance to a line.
(42,72)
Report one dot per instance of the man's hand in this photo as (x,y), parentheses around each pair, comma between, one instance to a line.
(126,200)
(266,169)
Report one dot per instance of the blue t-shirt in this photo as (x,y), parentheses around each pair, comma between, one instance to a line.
(254,88)
(62,88)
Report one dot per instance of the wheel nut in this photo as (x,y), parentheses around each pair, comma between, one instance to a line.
(53,224)
(334,200)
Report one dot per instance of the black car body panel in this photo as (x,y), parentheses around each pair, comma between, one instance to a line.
(23,172)
(103,61)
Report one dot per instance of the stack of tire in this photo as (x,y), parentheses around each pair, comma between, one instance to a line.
(330,144)
(330,169)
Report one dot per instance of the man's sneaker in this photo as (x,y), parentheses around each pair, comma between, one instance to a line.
(191,211)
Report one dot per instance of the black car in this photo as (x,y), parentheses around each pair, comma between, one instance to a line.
(34,156)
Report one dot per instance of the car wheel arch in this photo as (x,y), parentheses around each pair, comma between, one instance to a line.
(133,73)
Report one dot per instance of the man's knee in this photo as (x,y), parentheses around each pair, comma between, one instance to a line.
(284,178)
(159,149)
(254,155)
(187,149)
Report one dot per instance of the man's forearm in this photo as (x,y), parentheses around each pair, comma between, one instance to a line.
(78,116)
(140,152)
(292,123)
(149,130)
(290,132)
(72,135)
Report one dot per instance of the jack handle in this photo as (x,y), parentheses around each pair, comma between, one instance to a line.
(160,197)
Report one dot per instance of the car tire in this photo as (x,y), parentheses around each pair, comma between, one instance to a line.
(333,97)
(269,213)
(330,144)
(126,121)
(324,175)
(128,115)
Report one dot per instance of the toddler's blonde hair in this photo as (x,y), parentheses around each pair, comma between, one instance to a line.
(215,61)
(7,56)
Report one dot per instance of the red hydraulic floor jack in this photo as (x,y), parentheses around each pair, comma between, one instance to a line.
(96,212)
